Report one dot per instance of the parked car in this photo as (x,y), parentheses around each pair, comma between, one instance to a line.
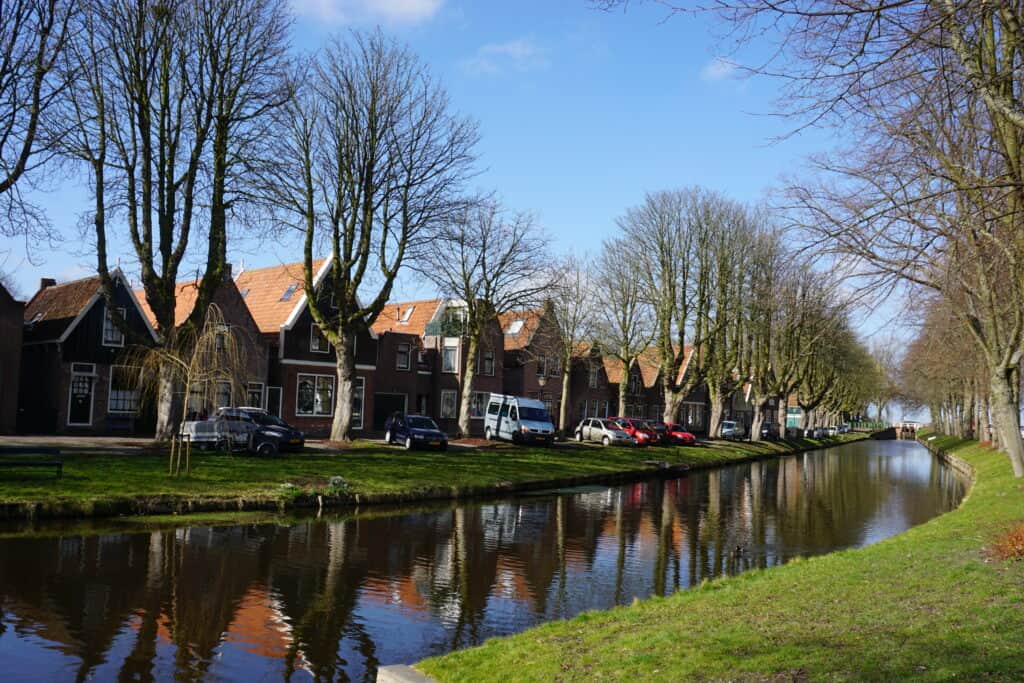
(289,438)
(603,431)
(239,429)
(414,431)
(518,419)
(638,429)
(660,432)
(770,431)
(832,431)
(844,428)
(678,435)
(732,430)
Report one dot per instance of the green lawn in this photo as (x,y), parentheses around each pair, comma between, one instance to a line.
(928,604)
(368,468)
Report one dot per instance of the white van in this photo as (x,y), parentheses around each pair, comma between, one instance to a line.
(518,419)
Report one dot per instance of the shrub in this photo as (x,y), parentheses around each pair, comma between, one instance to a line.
(1010,545)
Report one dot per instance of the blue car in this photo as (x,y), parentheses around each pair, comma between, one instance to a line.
(414,431)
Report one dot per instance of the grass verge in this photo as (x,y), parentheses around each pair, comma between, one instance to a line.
(97,484)
(928,604)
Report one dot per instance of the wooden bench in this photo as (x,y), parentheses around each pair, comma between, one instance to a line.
(47,457)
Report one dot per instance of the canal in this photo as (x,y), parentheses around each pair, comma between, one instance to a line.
(335,597)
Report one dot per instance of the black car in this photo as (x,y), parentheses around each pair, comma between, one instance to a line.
(770,431)
(272,428)
(414,431)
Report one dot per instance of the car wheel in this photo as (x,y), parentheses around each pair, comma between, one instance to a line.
(579,437)
(223,446)
(387,437)
(267,448)
(606,441)
(487,435)
(408,443)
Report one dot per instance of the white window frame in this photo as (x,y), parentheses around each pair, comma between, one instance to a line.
(542,366)
(92,395)
(483,397)
(455,405)
(358,389)
(554,366)
(594,376)
(263,393)
(110,393)
(108,319)
(313,327)
(455,346)
(316,377)
(398,356)
(217,387)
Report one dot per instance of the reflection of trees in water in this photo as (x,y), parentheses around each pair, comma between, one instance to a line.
(324,581)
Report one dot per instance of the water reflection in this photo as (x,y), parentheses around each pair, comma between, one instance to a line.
(333,598)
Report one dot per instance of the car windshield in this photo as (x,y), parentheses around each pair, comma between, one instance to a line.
(533,414)
(728,425)
(268,420)
(422,423)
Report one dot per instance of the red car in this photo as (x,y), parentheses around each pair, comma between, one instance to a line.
(678,435)
(638,429)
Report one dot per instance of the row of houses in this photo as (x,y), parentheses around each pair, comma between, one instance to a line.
(66,367)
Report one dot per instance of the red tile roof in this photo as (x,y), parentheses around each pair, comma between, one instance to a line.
(391,316)
(185,294)
(52,309)
(524,335)
(262,289)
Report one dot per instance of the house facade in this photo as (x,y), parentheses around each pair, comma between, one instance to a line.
(76,372)
(12,319)
(533,359)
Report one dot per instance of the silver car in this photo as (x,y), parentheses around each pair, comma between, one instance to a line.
(602,431)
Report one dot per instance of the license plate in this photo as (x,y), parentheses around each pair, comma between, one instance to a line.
(296,440)
(435,443)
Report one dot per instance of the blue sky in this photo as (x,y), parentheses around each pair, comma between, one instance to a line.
(581,111)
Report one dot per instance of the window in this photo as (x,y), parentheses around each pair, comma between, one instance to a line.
(594,374)
(493,408)
(402,355)
(254,394)
(422,403)
(288,292)
(317,340)
(112,334)
(194,404)
(605,413)
(477,405)
(124,389)
(448,405)
(542,366)
(220,342)
(634,384)
(485,363)
(555,366)
(244,293)
(358,391)
(406,314)
(450,358)
(515,327)
(223,397)
(315,395)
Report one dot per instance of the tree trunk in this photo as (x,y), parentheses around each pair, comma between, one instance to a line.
(168,406)
(623,385)
(984,424)
(783,400)
(468,373)
(758,420)
(563,410)
(715,419)
(1005,410)
(341,426)
(673,400)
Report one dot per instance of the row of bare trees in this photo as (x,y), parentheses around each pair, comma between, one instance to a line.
(929,193)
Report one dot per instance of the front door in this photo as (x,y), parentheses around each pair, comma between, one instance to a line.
(385,405)
(80,401)
(274,401)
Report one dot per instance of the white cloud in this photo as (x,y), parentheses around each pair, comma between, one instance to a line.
(351,11)
(520,54)
(718,69)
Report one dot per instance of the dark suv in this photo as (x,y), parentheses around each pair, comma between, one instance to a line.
(414,431)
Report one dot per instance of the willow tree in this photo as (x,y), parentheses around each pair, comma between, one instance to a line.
(368,160)
(491,262)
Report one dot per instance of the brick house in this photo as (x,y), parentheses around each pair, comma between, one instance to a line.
(533,358)
(249,388)
(434,329)
(74,376)
(12,319)
(591,392)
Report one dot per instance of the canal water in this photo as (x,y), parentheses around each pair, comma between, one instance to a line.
(334,597)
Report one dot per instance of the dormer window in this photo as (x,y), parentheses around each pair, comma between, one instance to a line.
(406,314)
(288,292)
(515,327)
(112,334)
(244,293)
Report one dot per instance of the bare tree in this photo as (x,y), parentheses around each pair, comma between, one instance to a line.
(491,262)
(369,159)
(33,38)
(625,326)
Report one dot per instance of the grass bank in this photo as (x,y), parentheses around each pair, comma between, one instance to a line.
(132,484)
(928,604)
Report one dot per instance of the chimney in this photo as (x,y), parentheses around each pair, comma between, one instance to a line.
(45,282)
